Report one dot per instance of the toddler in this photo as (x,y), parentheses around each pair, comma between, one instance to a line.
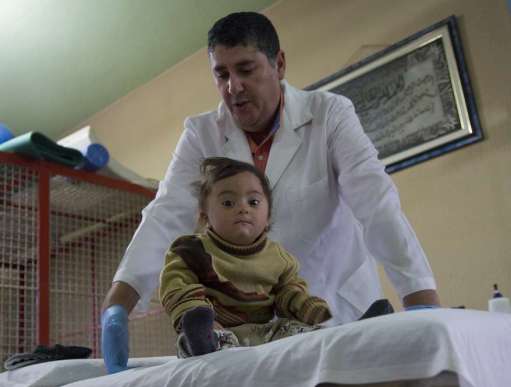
(229,285)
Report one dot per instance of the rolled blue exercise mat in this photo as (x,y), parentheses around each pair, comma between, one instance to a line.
(95,157)
(36,145)
(5,133)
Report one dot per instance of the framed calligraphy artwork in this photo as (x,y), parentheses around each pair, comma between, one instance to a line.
(414,98)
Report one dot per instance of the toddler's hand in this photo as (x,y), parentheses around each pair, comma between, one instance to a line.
(321,315)
(315,311)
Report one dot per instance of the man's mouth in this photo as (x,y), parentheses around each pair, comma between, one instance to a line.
(240,104)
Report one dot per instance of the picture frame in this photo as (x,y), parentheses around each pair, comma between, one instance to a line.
(414,98)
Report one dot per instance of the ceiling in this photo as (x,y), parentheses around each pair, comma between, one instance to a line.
(61,61)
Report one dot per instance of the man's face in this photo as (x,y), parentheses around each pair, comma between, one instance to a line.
(248,83)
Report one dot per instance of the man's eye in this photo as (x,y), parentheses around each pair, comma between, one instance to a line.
(222,76)
(228,203)
(254,202)
(246,71)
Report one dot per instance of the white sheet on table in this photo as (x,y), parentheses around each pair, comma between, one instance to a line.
(403,346)
(59,373)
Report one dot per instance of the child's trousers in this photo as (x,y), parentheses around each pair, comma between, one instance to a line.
(248,335)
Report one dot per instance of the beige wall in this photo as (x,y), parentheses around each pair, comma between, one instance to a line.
(459,204)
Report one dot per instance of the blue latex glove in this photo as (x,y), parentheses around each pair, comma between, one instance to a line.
(115,338)
(419,307)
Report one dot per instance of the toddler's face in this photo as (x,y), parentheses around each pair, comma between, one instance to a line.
(237,208)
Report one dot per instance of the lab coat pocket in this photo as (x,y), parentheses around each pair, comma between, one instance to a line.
(361,288)
(312,210)
(312,191)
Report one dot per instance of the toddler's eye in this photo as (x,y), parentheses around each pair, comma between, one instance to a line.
(254,202)
(228,203)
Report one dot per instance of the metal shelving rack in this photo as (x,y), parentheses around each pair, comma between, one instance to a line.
(62,234)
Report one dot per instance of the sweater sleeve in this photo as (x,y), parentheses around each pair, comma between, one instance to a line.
(292,299)
(180,289)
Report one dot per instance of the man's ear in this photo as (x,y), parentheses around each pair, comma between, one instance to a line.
(280,61)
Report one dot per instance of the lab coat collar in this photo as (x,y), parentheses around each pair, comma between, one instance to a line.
(287,139)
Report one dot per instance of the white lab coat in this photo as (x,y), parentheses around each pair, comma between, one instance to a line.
(334,206)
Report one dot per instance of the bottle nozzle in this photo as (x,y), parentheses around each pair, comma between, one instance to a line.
(496,292)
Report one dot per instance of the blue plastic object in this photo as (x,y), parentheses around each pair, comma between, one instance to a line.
(96,157)
(115,338)
(5,133)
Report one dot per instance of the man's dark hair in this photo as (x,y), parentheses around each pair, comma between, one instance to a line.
(246,29)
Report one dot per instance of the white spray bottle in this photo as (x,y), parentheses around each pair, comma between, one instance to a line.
(498,303)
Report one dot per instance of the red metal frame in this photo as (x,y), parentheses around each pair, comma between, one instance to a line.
(43,294)
(45,170)
(91,177)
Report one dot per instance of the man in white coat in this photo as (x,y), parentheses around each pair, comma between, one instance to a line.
(335,208)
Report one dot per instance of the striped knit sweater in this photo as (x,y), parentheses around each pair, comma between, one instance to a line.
(243,284)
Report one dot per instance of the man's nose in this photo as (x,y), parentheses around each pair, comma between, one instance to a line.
(235,85)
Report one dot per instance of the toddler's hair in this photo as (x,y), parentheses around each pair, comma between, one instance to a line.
(214,169)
